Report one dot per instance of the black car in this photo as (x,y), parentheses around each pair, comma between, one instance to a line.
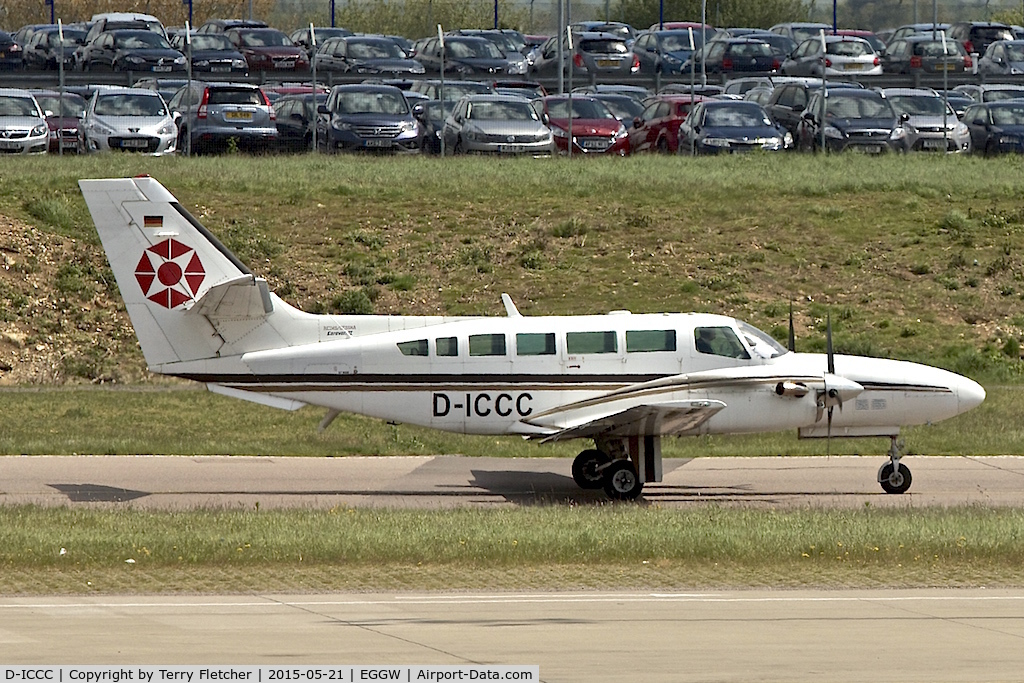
(468,55)
(976,36)
(996,127)
(735,55)
(212,53)
(730,127)
(131,50)
(861,120)
(789,99)
(367,117)
(10,53)
(43,50)
(296,121)
(453,90)
(365,55)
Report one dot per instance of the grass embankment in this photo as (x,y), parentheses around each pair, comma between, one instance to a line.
(604,547)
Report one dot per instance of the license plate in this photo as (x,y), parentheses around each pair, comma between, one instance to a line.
(853,66)
(607,63)
(872,149)
(595,144)
(9,144)
(510,149)
(933,144)
(135,143)
(238,115)
(220,69)
(945,67)
(377,143)
(290,64)
(161,69)
(3,55)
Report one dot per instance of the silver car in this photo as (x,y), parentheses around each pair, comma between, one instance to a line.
(128,120)
(926,129)
(497,124)
(23,128)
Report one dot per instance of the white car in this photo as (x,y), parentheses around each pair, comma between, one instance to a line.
(928,130)
(23,128)
(844,56)
(128,120)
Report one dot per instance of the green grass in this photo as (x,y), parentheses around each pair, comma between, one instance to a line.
(148,421)
(81,550)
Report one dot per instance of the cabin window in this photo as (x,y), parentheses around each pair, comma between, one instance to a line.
(413,348)
(487,345)
(719,341)
(447,346)
(535,344)
(644,341)
(590,342)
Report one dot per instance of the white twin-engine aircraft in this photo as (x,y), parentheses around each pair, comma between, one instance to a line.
(623,380)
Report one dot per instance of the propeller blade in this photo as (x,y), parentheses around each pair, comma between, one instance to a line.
(792,334)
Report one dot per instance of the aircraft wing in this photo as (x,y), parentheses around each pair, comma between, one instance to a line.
(671,418)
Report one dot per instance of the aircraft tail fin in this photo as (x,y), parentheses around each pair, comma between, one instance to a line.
(177,280)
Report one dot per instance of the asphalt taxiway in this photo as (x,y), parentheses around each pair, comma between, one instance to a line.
(182,482)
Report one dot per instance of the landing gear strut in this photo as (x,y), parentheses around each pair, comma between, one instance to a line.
(894,476)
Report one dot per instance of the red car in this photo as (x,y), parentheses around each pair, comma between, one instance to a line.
(63,120)
(657,128)
(595,130)
(267,49)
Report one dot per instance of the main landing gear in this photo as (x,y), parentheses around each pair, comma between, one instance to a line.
(894,476)
(595,469)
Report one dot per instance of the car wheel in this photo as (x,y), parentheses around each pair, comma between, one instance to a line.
(459,149)
(663,145)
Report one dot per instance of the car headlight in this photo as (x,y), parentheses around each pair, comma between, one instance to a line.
(517,67)
(1008,139)
(716,142)
(621,133)
(135,59)
(406,126)
(341,125)
(962,129)
(418,69)
(167,129)
(238,64)
(898,133)
(769,143)
(787,139)
(834,133)
(41,129)
(559,133)
(473,135)
(179,60)
(102,129)
(203,63)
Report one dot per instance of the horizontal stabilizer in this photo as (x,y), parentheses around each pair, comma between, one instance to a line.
(245,296)
(254,397)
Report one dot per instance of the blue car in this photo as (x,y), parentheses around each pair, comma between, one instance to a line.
(729,127)
(367,117)
(996,127)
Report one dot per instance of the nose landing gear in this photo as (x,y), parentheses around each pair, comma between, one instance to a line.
(894,476)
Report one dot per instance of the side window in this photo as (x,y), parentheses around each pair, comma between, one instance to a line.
(487,345)
(590,342)
(446,346)
(535,344)
(644,341)
(413,348)
(719,341)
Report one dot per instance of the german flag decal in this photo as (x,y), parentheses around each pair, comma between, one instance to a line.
(153,221)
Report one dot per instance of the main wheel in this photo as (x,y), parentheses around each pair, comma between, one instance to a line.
(621,481)
(585,469)
(894,480)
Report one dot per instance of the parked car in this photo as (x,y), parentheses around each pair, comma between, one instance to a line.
(734,55)
(594,129)
(907,30)
(267,49)
(593,54)
(976,36)
(1003,58)
(225,25)
(212,53)
(131,50)
(877,44)
(468,55)
(296,119)
(63,117)
(932,124)
(215,116)
(623,107)
(10,53)
(43,50)
(861,120)
(923,54)
(453,90)
(616,28)
(664,51)
(497,124)
(991,92)
(302,38)
(365,55)
(789,99)
(127,120)
(799,31)
(996,127)
(23,128)
(656,129)
(367,117)
(731,127)
(844,55)
(637,92)
(431,115)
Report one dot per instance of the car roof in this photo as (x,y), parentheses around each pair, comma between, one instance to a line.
(15,92)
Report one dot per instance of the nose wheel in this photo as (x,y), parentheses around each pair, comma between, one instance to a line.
(894,476)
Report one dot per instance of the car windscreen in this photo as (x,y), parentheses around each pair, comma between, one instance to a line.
(473,49)
(1008,115)
(141,41)
(917,105)
(1000,94)
(581,109)
(270,38)
(124,104)
(73,105)
(371,102)
(858,108)
(374,49)
(1015,52)
(501,111)
(735,117)
(211,41)
(17,106)
(455,91)
(679,42)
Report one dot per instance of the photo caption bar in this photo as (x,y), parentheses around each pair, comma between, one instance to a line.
(346,673)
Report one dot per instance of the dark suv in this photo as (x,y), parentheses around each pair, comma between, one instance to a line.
(367,117)
(976,36)
(213,116)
